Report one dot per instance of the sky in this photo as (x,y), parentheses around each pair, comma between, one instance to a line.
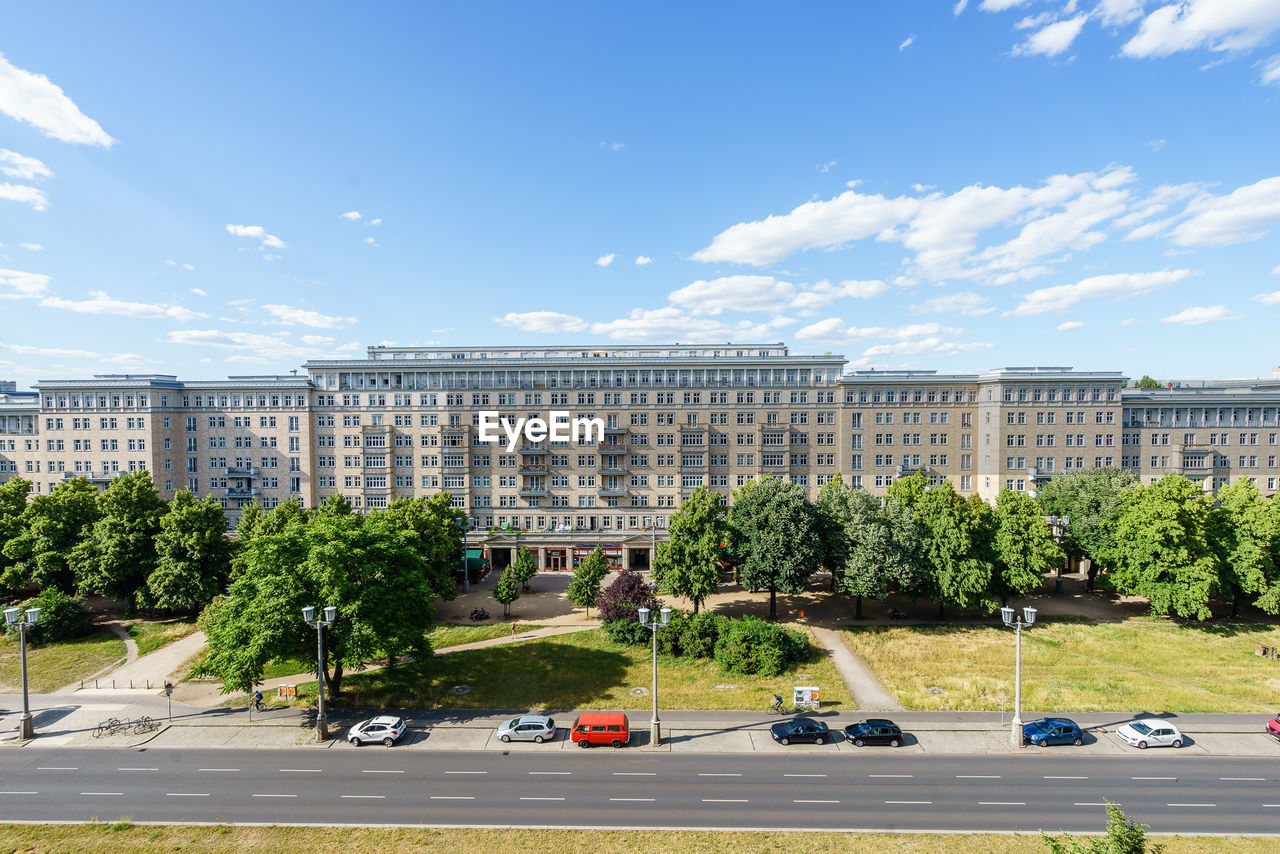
(234,188)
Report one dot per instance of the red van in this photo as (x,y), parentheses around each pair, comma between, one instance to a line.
(601,728)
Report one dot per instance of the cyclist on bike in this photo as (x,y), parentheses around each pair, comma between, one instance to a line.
(257,700)
(777,703)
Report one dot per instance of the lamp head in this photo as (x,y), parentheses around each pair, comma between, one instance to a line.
(1029,615)
(11,614)
(330,613)
(308,615)
(1006,614)
(666,615)
(644,616)
(33,615)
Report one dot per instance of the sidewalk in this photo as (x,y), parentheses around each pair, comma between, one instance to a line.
(866,689)
(147,673)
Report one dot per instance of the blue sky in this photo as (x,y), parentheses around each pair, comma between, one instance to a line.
(234,188)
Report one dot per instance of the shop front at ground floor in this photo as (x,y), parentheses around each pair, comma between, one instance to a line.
(565,551)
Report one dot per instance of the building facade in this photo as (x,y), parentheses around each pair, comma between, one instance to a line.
(404,421)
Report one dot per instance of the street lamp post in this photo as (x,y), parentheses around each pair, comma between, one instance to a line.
(466,574)
(14,617)
(1016,622)
(1058,524)
(309,617)
(655,725)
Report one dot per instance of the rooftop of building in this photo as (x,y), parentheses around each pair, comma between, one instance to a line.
(578,355)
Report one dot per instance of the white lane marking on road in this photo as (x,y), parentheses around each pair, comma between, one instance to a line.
(724,800)
(104,794)
(977,776)
(798,801)
(1246,779)
(1002,803)
(301,770)
(804,775)
(466,772)
(267,795)
(453,797)
(635,773)
(219,769)
(1047,777)
(365,797)
(186,794)
(890,775)
(908,802)
(137,769)
(541,799)
(719,774)
(1153,778)
(1191,805)
(1093,804)
(1271,805)
(55,768)
(631,799)
(551,773)
(19,793)
(380,772)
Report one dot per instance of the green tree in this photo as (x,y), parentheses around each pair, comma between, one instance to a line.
(908,491)
(119,553)
(1093,500)
(525,567)
(506,590)
(958,569)
(688,564)
(335,504)
(1147,382)
(584,587)
(50,528)
(834,506)
(1024,546)
(1246,534)
(776,531)
(13,500)
(433,525)
(1162,548)
(365,566)
(883,547)
(193,554)
(1122,837)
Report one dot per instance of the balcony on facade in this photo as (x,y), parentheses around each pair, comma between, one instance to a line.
(532,491)
(611,448)
(529,469)
(615,466)
(615,431)
(533,449)
(242,492)
(241,471)
(612,491)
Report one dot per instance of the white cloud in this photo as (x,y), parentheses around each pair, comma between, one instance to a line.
(1240,216)
(605,260)
(199,292)
(1219,25)
(100,303)
(23,168)
(24,193)
(824,168)
(672,324)
(176,264)
(1270,70)
(734,293)
(1053,39)
(999,5)
(1275,271)
(1114,13)
(351,215)
(1156,144)
(262,348)
(1133,321)
(834,329)
(824,293)
(23,285)
(1200,314)
(930,346)
(960,6)
(641,260)
(1069,325)
(58,353)
(967,303)
(613,146)
(36,100)
(1117,285)
(31,247)
(289,316)
(376,221)
(257,232)
(370,241)
(906,43)
(1272,298)
(542,321)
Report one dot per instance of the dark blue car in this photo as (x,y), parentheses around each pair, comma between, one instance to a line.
(1048,731)
(799,731)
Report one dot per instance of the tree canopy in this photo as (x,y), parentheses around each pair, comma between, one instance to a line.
(775,537)
(50,528)
(584,587)
(193,555)
(688,564)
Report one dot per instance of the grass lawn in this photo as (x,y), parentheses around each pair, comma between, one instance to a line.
(1073,666)
(453,634)
(151,635)
(122,836)
(580,670)
(53,666)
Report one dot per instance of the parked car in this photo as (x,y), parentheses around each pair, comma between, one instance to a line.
(1273,727)
(800,730)
(1150,733)
(1048,731)
(384,728)
(601,728)
(874,731)
(537,728)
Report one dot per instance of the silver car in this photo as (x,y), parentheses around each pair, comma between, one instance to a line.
(536,728)
(1150,733)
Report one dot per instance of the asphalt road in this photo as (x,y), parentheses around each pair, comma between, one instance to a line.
(617,788)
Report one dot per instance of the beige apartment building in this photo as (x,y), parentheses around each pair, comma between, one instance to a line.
(404,421)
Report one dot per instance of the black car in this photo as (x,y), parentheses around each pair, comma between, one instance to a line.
(800,730)
(874,731)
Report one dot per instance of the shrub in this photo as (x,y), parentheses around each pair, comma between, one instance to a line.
(621,599)
(700,633)
(670,634)
(627,632)
(62,617)
(752,646)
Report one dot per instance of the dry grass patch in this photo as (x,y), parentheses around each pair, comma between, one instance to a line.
(1081,667)
(150,635)
(55,665)
(446,635)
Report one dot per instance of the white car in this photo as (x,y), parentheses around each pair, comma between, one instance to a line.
(384,728)
(1150,733)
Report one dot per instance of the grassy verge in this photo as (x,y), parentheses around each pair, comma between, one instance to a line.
(579,670)
(122,836)
(151,635)
(447,635)
(55,665)
(1103,667)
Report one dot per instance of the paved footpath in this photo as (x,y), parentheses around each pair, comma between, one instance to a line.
(868,693)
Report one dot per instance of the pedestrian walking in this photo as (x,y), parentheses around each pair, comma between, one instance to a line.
(513,628)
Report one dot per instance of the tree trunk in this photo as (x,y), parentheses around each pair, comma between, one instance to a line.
(835,577)
(697,603)
(335,682)
(942,610)
(1004,600)
(773,603)
(857,607)
(1235,606)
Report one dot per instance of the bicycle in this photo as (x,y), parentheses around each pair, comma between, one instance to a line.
(776,709)
(145,724)
(111,726)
